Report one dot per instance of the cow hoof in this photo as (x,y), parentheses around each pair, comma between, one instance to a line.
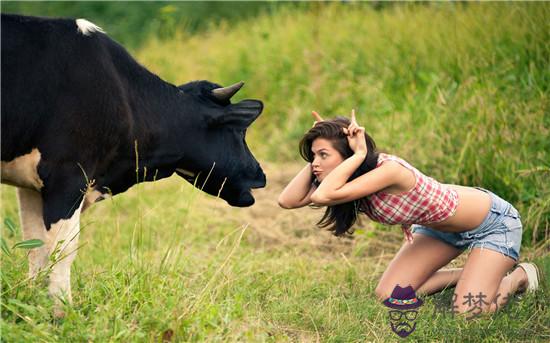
(58,313)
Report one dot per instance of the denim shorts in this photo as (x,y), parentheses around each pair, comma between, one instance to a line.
(500,230)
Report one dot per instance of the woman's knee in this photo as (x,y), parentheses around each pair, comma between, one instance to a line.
(382,291)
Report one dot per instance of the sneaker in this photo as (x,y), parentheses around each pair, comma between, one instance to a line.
(533,276)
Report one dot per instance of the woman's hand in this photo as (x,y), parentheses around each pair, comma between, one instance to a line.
(356,136)
(408,234)
(317,118)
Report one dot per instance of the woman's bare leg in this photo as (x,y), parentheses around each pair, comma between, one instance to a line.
(481,287)
(418,265)
(415,263)
(511,284)
(514,282)
(441,279)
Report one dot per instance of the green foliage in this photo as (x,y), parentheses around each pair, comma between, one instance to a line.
(459,90)
(29,244)
(10,225)
(4,246)
(26,244)
(133,22)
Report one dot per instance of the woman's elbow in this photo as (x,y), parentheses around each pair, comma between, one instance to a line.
(284,203)
(319,199)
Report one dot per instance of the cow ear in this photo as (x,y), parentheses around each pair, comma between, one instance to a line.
(239,115)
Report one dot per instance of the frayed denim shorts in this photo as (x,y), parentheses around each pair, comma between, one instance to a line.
(500,230)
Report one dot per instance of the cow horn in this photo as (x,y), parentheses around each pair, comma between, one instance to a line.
(225,93)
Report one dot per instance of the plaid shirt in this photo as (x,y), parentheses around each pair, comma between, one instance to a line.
(427,202)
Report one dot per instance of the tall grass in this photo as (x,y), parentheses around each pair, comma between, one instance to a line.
(200,273)
(460,90)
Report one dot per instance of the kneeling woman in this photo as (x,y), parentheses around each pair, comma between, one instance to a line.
(440,221)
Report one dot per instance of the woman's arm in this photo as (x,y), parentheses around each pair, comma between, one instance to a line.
(336,190)
(297,193)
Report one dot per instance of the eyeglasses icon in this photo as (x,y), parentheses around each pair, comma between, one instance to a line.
(396,315)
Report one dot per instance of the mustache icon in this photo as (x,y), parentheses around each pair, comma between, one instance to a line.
(403,329)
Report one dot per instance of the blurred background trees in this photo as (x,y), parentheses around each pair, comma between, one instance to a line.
(132,22)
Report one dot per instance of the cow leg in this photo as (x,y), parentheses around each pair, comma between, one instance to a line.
(62,243)
(62,198)
(32,224)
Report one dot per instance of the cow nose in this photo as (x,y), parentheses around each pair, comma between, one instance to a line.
(245,199)
(260,180)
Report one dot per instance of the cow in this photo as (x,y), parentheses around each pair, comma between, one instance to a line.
(82,121)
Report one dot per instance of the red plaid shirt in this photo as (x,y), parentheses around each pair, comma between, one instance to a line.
(427,202)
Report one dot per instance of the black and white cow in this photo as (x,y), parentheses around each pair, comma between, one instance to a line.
(81,120)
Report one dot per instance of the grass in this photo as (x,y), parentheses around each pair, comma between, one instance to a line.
(167,260)
(460,90)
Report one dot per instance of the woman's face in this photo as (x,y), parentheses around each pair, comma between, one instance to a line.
(325,158)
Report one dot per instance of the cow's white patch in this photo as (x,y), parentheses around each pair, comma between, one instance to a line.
(32,223)
(62,244)
(22,171)
(87,28)
(185,172)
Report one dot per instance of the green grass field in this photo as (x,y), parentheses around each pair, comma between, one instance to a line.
(459,90)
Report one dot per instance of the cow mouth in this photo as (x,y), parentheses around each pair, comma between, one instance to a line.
(186,173)
(244,198)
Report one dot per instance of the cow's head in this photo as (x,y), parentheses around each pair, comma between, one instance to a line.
(218,160)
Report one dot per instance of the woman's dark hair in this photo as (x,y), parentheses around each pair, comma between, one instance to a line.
(340,217)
